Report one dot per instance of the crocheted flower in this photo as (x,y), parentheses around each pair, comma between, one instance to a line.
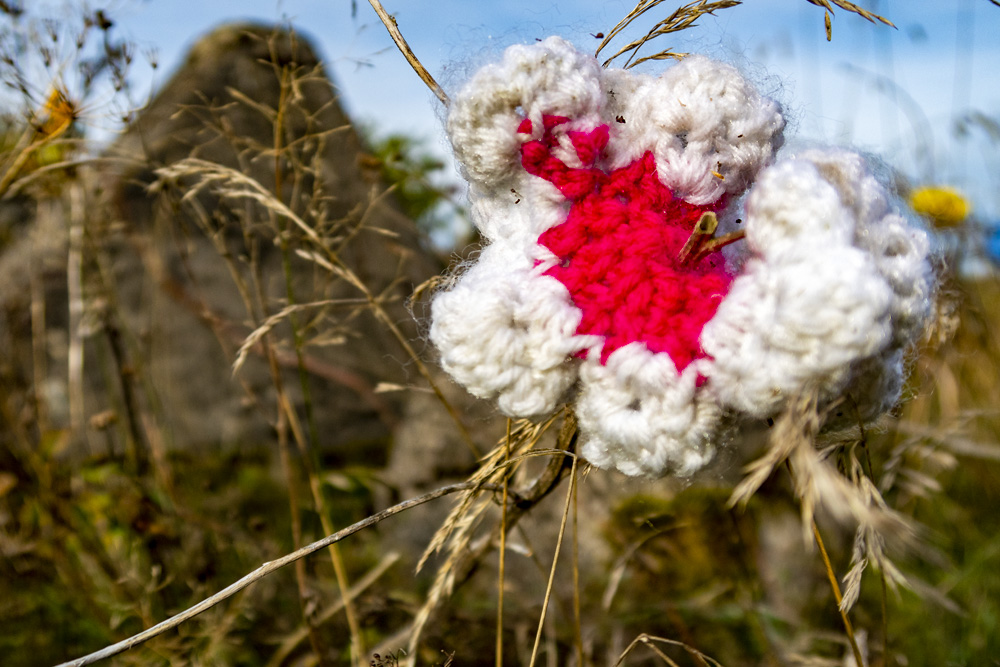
(608,203)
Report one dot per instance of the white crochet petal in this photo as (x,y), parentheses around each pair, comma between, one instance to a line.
(791,207)
(900,253)
(637,415)
(849,174)
(518,219)
(785,326)
(837,285)
(507,332)
(547,78)
(702,117)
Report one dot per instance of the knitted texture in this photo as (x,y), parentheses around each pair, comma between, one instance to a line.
(603,279)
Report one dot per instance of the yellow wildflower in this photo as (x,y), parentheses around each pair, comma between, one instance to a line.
(943,206)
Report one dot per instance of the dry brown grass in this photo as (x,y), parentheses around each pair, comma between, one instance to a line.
(683,575)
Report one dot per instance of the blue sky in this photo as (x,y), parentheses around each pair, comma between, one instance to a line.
(878,89)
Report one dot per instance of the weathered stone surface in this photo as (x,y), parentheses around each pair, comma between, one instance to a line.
(156,284)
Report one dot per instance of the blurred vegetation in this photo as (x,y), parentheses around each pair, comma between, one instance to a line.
(94,548)
(416,176)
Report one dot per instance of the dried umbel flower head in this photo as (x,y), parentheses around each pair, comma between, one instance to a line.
(615,272)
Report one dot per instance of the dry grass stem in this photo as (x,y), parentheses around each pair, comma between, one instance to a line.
(651,642)
(274,320)
(263,571)
(686,16)
(232,184)
(523,437)
(555,561)
(577,617)
(851,7)
(502,553)
(456,533)
(680,19)
(389,22)
(849,495)
(290,643)
(848,628)
(817,483)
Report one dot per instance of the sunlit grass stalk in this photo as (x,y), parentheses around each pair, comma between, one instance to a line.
(502,554)
(555,561)
(340,572)
(565,608)
(577,622)
(30,143)
(266,569)
(390,24)
(74,291)
(835,587)
(884,604)
(286,417)
(308,449)
(455,535)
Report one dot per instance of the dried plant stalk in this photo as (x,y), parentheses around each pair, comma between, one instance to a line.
(651,642)
(851,7)
(260,573)
(682,18)
(555,560)
(456,533)
(685,17)
(848,628)
(389,22)
(230,184)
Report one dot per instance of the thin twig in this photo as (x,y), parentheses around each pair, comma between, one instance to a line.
(649,641)
(466,555)
(232,184)
(848,628)
(308,451)
(263,571)
(555,561)
(577,623)
(502,555)
(425,76)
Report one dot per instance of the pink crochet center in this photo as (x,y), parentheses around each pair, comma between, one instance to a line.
(619,248)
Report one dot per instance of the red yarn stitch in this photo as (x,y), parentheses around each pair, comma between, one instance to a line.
(619,247)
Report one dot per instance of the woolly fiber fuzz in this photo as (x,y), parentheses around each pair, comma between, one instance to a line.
(605,199)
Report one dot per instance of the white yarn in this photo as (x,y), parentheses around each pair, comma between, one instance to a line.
(640,417)
(837,279)
(833,283)
(701,117)
(550,77)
